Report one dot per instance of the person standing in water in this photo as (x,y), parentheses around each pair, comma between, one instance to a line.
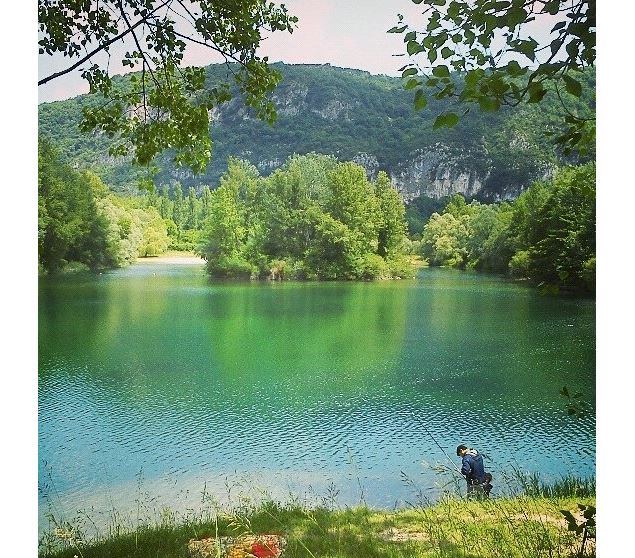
(478,481)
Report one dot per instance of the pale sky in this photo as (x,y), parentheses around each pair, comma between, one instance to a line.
(345,33)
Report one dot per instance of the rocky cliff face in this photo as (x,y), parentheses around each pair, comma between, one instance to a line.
(353,116)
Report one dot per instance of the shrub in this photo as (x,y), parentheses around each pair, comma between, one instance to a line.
(231,267)
(372,266)
(519,265)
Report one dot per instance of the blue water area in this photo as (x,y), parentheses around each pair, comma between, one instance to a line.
(155,381)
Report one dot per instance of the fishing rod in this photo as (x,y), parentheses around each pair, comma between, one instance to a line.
(438,445)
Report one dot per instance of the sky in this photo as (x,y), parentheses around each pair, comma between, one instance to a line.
(348,33)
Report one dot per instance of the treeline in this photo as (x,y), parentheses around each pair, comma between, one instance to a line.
(547,234)
(313,218)
(81,222)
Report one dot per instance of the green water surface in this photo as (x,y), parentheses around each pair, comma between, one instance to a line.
(155,376)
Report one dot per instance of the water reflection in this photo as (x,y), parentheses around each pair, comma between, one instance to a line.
(188,380)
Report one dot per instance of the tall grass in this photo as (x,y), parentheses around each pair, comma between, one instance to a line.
(525,522)
(568,486)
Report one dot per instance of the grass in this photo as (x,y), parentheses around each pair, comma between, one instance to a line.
(528,525)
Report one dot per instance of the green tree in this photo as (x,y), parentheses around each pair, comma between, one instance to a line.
(164,106)
(69,226)
(165,204)
(191,219)
(225,234)
(498,248)
(392,228)
(485,42)
(178,208)
(352,201)
(155,235)
(206,197)
(334,252)
(565,255)
(444,240)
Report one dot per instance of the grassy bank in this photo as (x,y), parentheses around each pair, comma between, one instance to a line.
(522,526)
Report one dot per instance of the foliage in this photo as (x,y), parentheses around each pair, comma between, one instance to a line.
(584,527)
(496,60)
(343,113)
(165,106)
(312,219)
(547,234)
(80,221)
(522,527)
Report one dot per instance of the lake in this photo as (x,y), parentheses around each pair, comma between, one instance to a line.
(157,384)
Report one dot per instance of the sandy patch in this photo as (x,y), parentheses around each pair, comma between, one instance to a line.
(173,258)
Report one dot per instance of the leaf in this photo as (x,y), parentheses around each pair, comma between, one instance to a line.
(413,47)
(409,72)
(397,29)
(441,71)
(558,25)
(420,100)
(516,16)
(447,120)
(536,92)
(489,104)
(513,69)
(412,83)
(472,77)
(572,86)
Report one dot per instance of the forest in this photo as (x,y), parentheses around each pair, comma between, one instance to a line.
(317,218)
(547,234)
(314,218)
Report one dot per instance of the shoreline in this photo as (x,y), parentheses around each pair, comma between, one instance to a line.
(173,257)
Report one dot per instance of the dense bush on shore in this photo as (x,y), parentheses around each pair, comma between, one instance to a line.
(547,234)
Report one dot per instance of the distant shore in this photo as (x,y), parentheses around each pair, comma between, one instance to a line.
(174,257)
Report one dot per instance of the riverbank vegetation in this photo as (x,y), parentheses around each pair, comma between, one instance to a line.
(314,218)
(82,224)
(546,235)
(529,524)
(317,218)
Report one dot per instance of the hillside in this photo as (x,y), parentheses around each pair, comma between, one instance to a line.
(352,115)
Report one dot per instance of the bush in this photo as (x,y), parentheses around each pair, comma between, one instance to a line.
(401,268)
(372,266)
(231,267)
(520,264)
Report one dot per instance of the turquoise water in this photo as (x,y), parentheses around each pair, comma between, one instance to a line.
(154,380)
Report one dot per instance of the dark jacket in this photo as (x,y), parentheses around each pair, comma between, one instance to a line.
(472,467)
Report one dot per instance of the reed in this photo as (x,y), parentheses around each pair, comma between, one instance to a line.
(528,524)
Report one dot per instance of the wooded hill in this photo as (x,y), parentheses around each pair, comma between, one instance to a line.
(352,115)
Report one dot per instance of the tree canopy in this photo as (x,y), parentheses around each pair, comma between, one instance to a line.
(314,218)
(547,234)
(497,61)
(165,106)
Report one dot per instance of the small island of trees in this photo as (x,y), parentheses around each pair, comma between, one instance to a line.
(314,218)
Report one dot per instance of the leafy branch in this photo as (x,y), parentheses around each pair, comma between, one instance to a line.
(479,52)
(169,110)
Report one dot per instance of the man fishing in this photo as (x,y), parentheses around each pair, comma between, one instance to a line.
(478,481)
